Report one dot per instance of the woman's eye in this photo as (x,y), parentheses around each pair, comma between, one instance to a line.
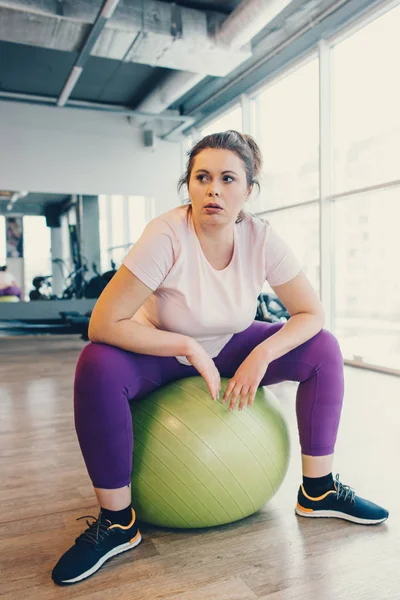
(227,178)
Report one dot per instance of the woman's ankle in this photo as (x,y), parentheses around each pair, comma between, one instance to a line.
(316,466)
(114,499)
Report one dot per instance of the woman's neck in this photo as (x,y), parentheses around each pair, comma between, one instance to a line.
(214,235)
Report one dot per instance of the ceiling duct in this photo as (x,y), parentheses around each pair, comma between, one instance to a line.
(236,31)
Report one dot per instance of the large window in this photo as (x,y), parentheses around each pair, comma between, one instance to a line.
(287,130)
(287,117)
(366,101)
(299,227)
(366,121)
(231,119)
(367,283)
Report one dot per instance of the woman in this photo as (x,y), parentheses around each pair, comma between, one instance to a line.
(182,304)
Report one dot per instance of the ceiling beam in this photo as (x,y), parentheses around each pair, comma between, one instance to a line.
(105,13)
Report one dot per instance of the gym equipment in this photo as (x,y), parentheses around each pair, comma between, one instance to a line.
(75,289)
(96,285)
(271,309)
(9,299)
(196,464)
(78,322)
(76,285)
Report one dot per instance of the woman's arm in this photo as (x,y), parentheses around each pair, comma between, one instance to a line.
(111,323)
(307,317)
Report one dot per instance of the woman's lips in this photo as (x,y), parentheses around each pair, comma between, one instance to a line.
(212,208)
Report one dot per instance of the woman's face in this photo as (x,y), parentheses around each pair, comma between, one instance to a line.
(218,186)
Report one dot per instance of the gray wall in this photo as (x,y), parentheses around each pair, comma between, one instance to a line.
(46,149)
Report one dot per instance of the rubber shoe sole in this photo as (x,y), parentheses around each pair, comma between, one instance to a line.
(114,552)
(315,514)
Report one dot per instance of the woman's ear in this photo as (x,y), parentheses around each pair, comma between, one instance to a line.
(249,191)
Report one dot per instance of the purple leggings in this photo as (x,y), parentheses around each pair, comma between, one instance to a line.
(108,378)
(12,290)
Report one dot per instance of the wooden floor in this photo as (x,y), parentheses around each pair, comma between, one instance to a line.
(272,555)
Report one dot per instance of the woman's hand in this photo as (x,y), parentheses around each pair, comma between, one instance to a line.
(245,382)
(205,365)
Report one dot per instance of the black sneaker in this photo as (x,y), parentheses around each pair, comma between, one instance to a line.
(101,541)
(341,503)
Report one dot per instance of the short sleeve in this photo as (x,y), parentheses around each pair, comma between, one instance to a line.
(153,255)
(281,263)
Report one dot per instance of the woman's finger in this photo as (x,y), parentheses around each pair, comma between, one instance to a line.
(234,396)
(228,390)
(243,397)
(252,395)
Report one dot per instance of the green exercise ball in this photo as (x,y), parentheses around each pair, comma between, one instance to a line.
(196,464)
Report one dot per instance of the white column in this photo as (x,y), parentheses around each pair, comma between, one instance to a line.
(57,252)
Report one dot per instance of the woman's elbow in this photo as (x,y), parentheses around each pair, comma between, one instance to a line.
(102,331)
(96,331)
(316,318)
(92,334)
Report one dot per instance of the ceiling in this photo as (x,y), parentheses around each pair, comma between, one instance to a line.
(43,72)
(128,57)
(179,61)
(39,45)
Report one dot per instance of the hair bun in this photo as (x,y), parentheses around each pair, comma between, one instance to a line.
(257,156)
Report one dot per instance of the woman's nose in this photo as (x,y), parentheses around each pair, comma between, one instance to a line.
(213,190)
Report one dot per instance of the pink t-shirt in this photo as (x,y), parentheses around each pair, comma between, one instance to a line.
(190,296)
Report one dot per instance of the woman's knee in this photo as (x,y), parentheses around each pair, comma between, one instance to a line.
(327,347)
(97,361)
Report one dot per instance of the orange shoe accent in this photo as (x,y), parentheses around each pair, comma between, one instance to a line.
(125,526)
(319,497)
(135,538)
(307,510)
